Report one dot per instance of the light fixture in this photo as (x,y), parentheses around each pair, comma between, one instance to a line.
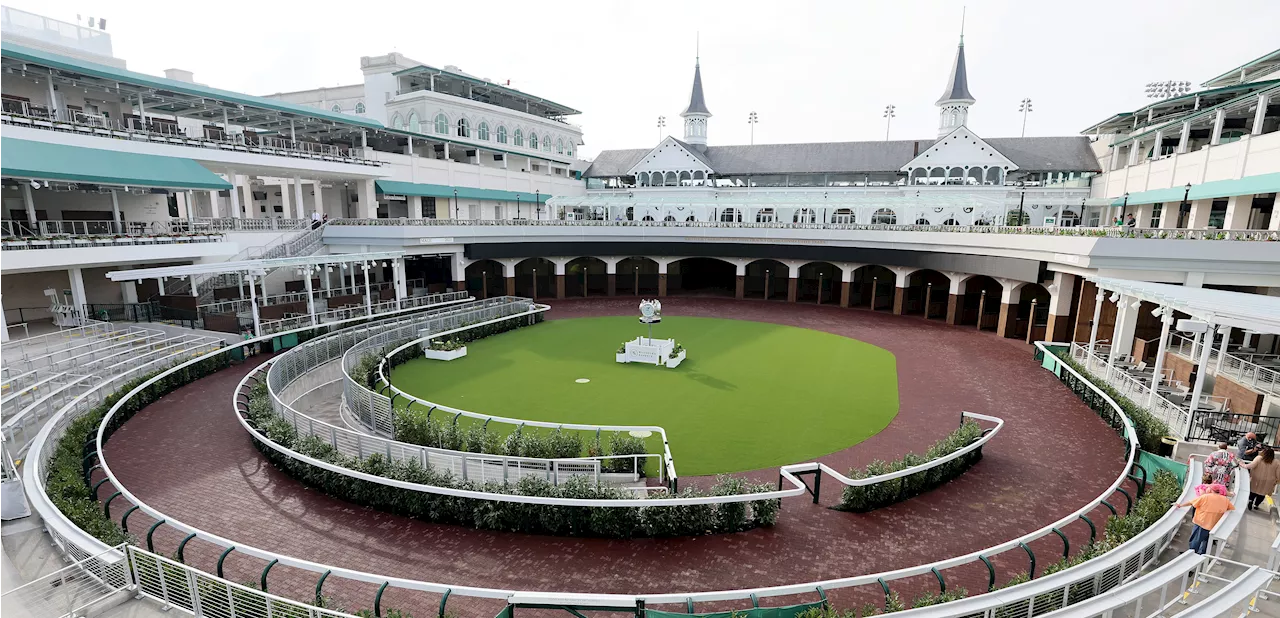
(1158,311)
(1115,297)
(1193,326)
(35,184)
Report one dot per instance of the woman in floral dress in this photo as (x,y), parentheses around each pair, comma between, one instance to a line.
(1221,464)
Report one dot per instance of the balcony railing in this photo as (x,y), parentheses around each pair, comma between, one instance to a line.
(22,113)
(248,225)
(1260,372)
(1229,427)
(1075,232)
(21,235)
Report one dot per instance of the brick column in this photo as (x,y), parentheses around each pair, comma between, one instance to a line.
(954,304)
(460,286)
(899,299)
(662,284)
(791,289)
(844,293)
(511,285)
(559,286)
(740,290)
(613,284)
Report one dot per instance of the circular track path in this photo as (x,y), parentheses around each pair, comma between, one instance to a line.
(186,456)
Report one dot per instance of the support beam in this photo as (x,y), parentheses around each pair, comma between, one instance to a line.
(30,203)
(234,193)
(297,197)
(1060,294)
(1166,320)
(253,304)
(115,212)
(78,297)
(368,289)
(1202,370)
(311,295)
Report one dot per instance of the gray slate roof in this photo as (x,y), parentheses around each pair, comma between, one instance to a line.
(1031,154)
(696,151)
(958,84)
(697,104)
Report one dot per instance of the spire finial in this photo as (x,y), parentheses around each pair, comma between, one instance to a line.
(697,48)
(962,11)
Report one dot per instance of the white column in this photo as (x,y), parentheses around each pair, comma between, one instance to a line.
(401,286)
(1219,119)
(213,204)
(1222,350)
(195,289)
(234,193)
(319,197)
(129,292)
(264,288)
(1200,374)
(1237,215)
(31,205)
(325,277)
(1166,320)
(115,211)
(253,304)
(297,197)
(284,202)
(1259,116)
(1060,294)
(1099,295)
(4,324)
(415,207)
(160,286)
(77,290)
(311,296)
(368,200)
(368,300)
(1184,138)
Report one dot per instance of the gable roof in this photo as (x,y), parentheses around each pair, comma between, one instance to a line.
(1030,154)
(695,151)
(687,149)
(956,152)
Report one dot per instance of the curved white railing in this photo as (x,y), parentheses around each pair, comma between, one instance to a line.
(599,599)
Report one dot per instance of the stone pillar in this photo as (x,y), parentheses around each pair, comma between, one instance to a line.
(1126,324)
(1010,296)
(1238,207)
(115,211)
(846,279)
(284,202)
(368,198)
(4,327)
(30,203)
(214,211)
(1199,217)
(662,279)
(459,272)
(1169,214)
(415,207)
(740,285)
(319,197)
(234,194)
(611,273)
(297,198)
(955,301)
(129,292)
(78,297)
(899,299)
(1059,327)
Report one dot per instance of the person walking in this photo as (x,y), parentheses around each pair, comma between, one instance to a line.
(1221,464)
(1248,447)
(1264,474)
(1209,508)
(1207,485)
(1131,222)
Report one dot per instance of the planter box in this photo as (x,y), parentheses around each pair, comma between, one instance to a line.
(622,358)
(672,363)
(444,355)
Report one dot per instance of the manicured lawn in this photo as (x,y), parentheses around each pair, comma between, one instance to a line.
(750,395)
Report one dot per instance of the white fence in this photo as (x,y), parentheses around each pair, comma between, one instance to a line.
(1238,366)
(1173,415)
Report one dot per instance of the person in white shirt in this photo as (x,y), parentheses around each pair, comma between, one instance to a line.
(316,219)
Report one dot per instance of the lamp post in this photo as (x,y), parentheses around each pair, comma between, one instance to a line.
(637,281)
(455,204)
(1022,198)
(517,205)
(535,284)
(1124,207)
(888,119)
(766,284)
(752,119)
(1025,108)
(537,199)
(662,122)
(1185,193)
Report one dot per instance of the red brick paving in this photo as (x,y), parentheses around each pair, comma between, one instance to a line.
(186,456)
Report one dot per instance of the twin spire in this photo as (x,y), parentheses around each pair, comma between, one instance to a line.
(696,114)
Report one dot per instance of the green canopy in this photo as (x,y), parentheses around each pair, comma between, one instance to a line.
(26,159)
(396,187)
(1249,185)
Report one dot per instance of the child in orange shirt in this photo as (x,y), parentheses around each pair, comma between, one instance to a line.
(1210,507)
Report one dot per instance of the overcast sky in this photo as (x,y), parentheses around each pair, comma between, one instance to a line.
(813,71)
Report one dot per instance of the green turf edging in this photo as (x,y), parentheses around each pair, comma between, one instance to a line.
(864,498)
(612,522)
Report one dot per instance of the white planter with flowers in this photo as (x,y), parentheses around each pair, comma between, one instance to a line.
(445,355)
(674,361)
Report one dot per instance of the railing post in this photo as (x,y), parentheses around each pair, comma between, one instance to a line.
(1066,545)
(151,533)
(262,580)
(991,572)
(377,599)
(182,547)
(1031,573)
(1093,530)
(124,520)
(223,557)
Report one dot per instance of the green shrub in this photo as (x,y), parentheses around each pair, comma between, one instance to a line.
(865,498)
(1148,428)
(623,443)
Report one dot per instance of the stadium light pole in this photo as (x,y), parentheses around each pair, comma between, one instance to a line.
(888,116)
(1025,108)
(662,122)
(752,119)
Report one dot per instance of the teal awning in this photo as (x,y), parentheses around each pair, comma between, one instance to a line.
(1249,185)
(396,187)
(20,158)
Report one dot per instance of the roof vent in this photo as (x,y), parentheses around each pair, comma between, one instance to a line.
(486,79)
(451,67)
(181,75)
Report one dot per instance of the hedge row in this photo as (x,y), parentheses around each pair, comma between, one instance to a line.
(613,522)
(1149,428)
(861,499)
(65,481)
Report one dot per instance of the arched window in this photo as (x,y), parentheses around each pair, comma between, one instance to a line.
(642,179)
(397,122)
(336,108)
(843,215)
(414,124)
(442,124)
(360,108)
(884,216)
(730,215)
(519,138)
(559,146)
(670,180)
(685,179)
(765,215)
(669,219)
(482,131)
(464,128)
(568,151)
(546,143)
(502,134)
(803,215)
(1068,218)
(647,218)
(922,221)
(631,213)
(533,140)
(690,218)
(951,221)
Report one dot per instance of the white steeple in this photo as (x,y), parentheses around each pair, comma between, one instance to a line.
(696,114)
(953,107)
